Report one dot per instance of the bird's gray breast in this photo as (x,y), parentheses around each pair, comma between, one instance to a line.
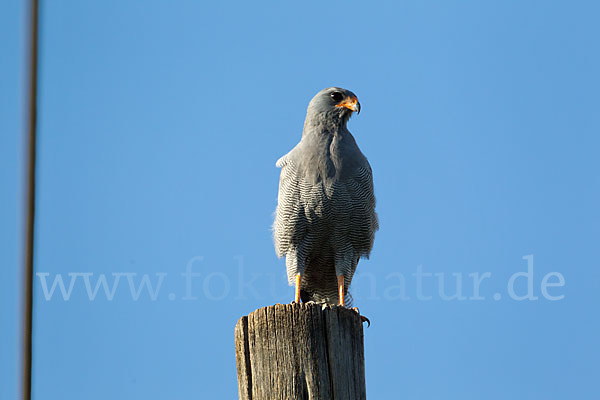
(326,197)
(328,189)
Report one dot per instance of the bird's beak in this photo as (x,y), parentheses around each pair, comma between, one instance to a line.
(351,103)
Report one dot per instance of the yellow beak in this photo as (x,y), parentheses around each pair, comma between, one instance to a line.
(351,103)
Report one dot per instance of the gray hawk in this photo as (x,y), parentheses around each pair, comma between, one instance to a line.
(325,219)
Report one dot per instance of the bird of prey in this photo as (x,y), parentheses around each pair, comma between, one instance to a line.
(325,219)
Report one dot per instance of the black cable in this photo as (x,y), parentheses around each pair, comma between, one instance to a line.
(30,200)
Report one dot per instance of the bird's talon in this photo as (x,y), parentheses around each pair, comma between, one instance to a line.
(365,319)
(362,317)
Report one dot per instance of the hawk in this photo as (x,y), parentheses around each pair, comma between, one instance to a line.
(325,219)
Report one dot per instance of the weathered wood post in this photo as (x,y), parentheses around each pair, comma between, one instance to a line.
(300,351)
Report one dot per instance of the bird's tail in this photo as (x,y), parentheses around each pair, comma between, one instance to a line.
(319,283)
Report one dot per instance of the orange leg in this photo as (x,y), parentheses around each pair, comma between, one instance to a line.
(340,282)
(297,296)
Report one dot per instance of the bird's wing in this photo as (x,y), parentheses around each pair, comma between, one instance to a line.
(290,220)
(358,201)
(281,162)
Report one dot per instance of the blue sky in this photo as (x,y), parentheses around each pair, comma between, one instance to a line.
(159,127)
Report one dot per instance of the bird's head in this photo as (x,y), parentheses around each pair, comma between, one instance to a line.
(334,105)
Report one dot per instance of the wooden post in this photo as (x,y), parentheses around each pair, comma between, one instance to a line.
(300,351)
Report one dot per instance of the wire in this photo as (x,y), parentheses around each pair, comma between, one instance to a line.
(30,199)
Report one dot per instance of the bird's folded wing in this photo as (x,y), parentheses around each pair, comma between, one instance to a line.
(360,205)
(290,220)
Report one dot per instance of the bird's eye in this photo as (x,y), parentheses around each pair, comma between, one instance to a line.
(337,96)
